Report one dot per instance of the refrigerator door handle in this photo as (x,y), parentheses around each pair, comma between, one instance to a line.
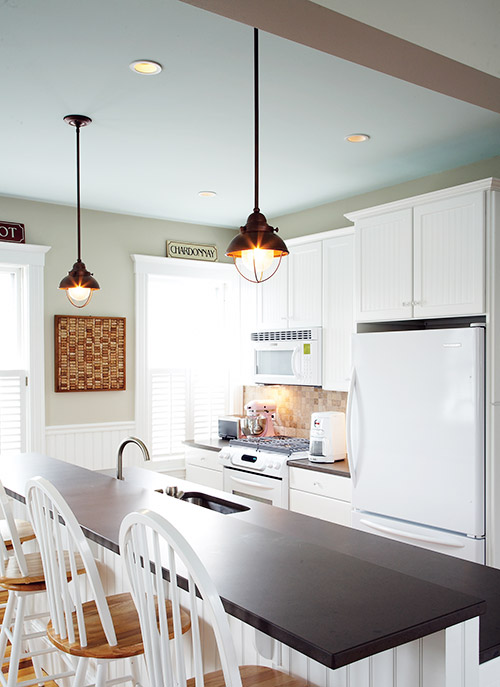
(452,543)
(348,414)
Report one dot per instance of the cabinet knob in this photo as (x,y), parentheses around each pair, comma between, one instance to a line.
(416,302)
(406,304)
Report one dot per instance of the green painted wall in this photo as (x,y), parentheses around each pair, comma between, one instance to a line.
(108,240)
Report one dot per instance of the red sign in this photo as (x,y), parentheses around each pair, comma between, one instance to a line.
(12,231)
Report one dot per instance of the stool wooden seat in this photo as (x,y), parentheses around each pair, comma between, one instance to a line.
(126,622)
(24,530)
(13,575)
(253,676)
(150,544)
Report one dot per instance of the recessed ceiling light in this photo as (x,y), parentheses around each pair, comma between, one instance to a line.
(146,67)
(207,194)
(357,138)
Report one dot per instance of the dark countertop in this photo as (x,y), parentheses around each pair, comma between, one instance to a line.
(208,444)
(340,467)
(335,594)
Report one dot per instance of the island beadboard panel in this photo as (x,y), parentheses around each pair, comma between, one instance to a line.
(295,405)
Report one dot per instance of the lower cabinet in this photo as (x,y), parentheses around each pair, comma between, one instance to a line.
(202,467)
(321,495)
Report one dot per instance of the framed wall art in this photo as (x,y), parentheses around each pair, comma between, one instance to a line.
(89,353)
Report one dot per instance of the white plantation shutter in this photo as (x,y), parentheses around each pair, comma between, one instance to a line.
(169,390)
(12,411)
(209,402)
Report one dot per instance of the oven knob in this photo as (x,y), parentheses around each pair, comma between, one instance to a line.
(270,465)
(277,465)
(224,455)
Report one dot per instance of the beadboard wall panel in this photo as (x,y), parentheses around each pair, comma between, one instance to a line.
(92,446)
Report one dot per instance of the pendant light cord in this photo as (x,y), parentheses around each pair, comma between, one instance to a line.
(256,113)
(78,231)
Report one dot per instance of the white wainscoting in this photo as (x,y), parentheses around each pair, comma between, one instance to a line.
(92,446)
(95,446)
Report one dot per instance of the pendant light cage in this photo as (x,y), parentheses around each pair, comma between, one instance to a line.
(79,283)
(257,251)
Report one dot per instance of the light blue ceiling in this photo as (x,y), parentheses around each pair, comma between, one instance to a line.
(156,141)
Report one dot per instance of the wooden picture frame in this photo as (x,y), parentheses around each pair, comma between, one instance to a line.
(89,353)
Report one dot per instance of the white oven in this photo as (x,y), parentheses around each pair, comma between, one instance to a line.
(262,488)
(258,468)
(287,356)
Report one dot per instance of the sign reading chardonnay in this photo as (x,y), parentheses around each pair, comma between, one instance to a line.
(191,251)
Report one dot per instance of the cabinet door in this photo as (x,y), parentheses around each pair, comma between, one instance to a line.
(272,299)
(449,257)
(304,285)
(207,478)
(338,311)
(320,507)
(384,267)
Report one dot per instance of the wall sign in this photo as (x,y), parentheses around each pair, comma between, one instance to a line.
(12,231)
(191,251)
(90,353)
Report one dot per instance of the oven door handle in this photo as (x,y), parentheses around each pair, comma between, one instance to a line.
(248,483)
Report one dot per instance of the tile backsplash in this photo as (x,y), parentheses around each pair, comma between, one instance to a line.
(295,405)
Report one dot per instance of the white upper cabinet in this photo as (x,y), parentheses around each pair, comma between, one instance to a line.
(384,274)
(338,309)
(449,257)
(304,285)
(272,300)
(422,261)
(292,297)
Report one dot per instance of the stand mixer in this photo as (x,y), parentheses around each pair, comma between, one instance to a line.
(259,419)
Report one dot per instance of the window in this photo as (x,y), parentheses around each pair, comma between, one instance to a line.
(22,396)
(185,352)
(13,367)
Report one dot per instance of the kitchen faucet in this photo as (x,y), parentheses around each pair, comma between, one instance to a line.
(129,440)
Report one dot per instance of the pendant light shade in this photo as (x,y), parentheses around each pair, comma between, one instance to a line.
(257,250)
(79,283)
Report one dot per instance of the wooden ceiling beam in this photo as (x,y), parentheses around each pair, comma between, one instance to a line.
(318,27)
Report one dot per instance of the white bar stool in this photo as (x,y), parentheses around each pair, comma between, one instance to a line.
(149,543)
(105,628)
(22,576)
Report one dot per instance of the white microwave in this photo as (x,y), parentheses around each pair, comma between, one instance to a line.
(287,356)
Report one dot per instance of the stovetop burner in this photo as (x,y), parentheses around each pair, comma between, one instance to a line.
(277,444)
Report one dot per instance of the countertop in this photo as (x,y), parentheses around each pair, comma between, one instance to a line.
(340,467)
(335,594)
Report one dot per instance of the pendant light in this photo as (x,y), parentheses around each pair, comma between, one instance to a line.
(79,283)
(257,250)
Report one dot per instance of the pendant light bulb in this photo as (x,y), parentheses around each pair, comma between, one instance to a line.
(257,260)
(79,283)
(257,250)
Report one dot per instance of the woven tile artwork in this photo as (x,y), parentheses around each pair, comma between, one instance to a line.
(90,353)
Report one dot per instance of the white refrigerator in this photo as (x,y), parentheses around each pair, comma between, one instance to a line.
(415,434)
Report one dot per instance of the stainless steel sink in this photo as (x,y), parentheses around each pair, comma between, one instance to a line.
(205,501)
(213,503)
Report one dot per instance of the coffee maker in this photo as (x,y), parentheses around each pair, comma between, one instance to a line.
(327,439)
(259,419)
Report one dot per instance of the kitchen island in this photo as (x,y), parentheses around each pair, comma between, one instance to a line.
(340,604)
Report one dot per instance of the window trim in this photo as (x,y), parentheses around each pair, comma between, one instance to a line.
(31,259)
(144,267)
